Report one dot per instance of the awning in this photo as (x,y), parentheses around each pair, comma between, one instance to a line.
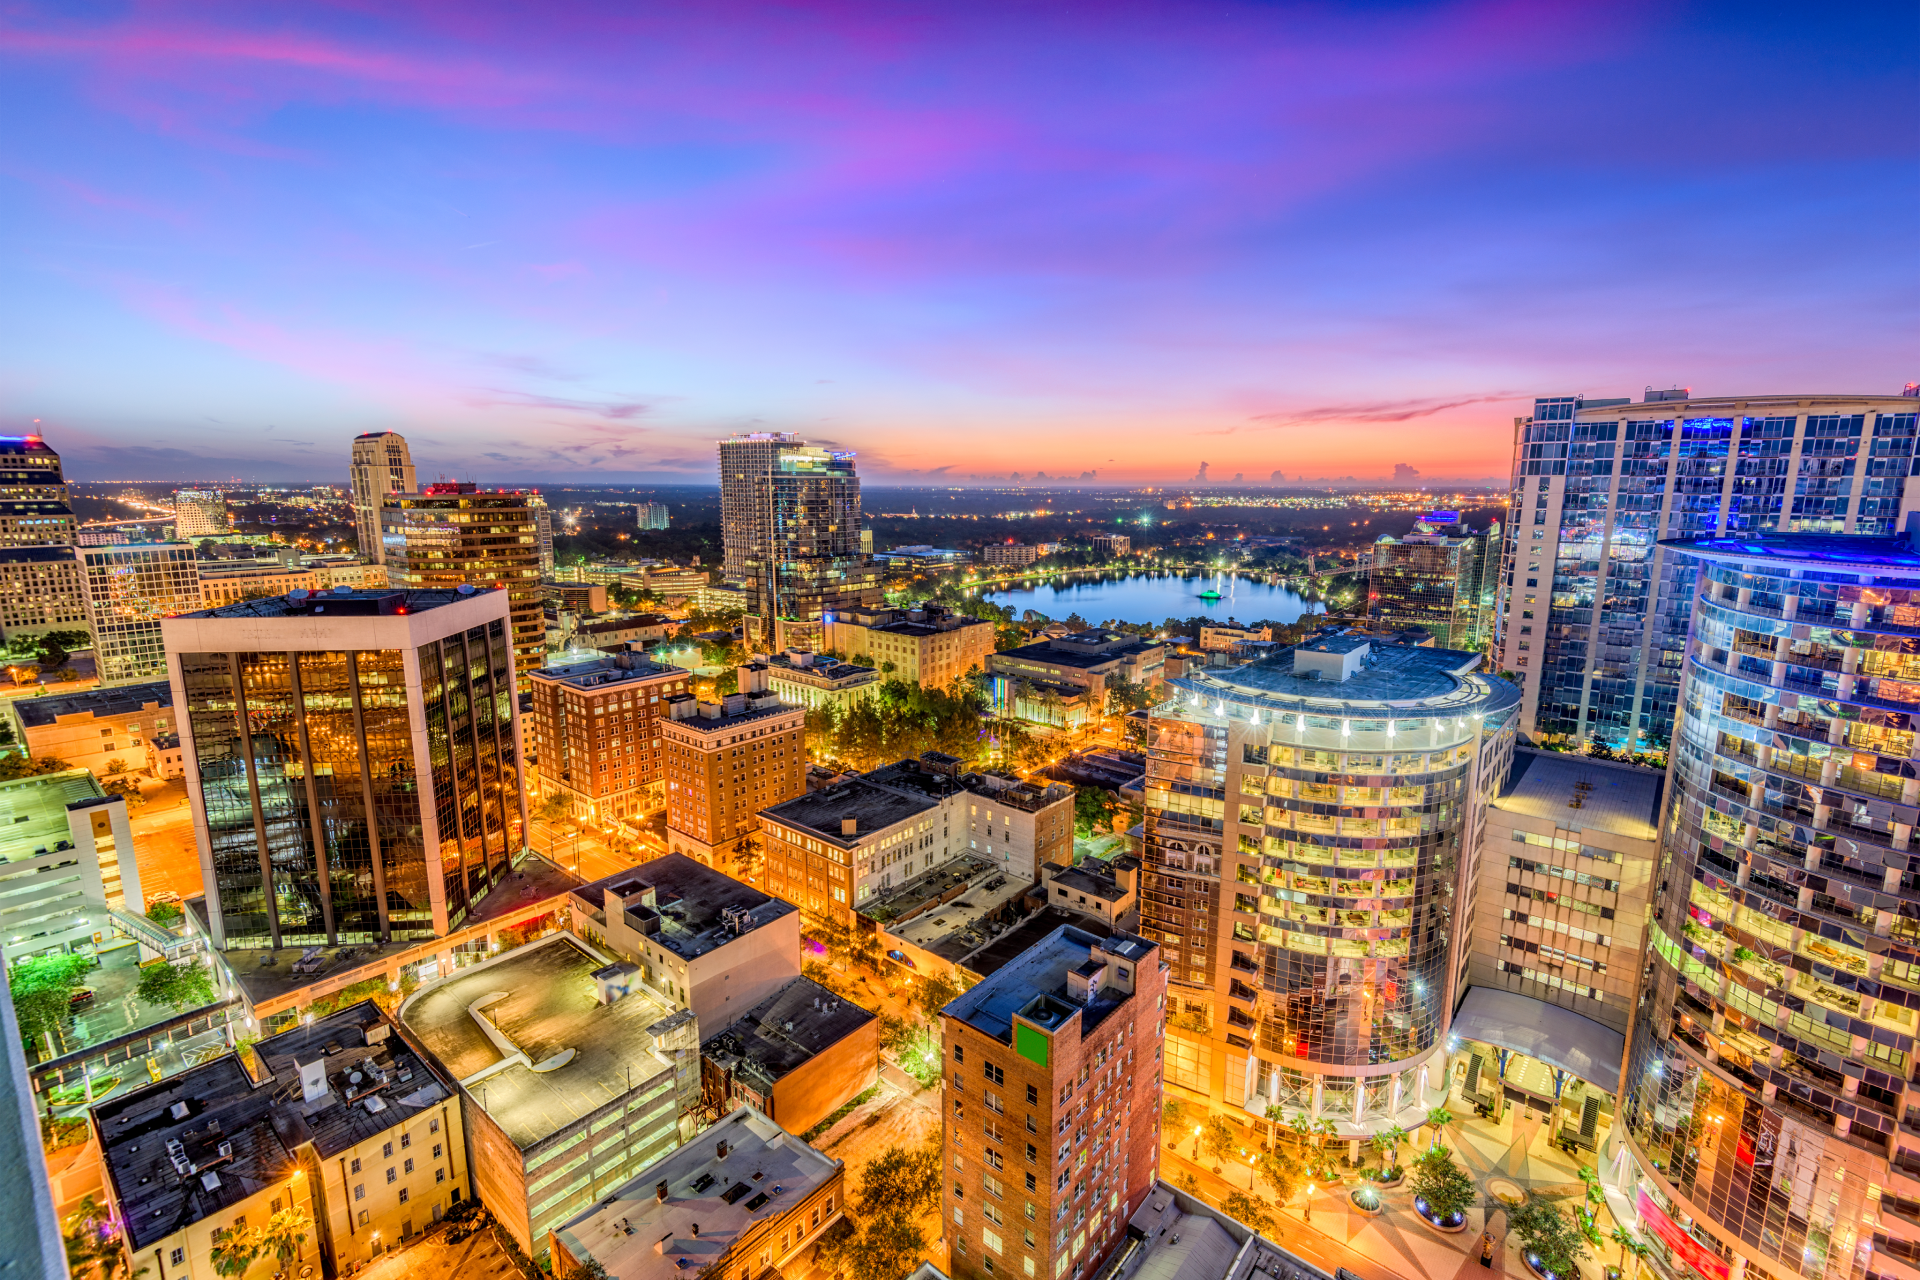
(1559,1038)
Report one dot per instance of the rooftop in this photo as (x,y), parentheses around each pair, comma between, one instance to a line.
(930,886)
(1094,877)
(781,1033)
(604,670)
(33,811)
(1041,970)
(190,1146)
(1082,649)
(117,700)
(711,1200)
(963,926)
(693,901)
(550,1006)
(1580,792)
(874,808)
(827,670)
(758,707)
(341,600)
(374,1079)
(1401,680)
(1175,1235)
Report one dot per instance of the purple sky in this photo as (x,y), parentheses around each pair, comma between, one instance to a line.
(568,242)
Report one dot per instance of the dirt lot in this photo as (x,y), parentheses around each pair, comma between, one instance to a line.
(478,1258)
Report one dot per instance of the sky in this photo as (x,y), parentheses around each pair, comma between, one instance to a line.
(578,243)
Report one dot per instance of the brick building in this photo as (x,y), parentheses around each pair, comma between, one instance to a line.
(595,731)
(726,762)
(1052,1117)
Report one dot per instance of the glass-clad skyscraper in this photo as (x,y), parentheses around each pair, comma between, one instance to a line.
(130,588)
(1309,822)
(352,759)
(1593,614)
(1769,1094)
(1440,576)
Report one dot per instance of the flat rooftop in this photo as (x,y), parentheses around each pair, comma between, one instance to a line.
(1041,970)
(872,807)
(1052,653)
(958,928)
(604,671)
(692,899)
(781,1033)
(551,1005)
(117,700)
(766,1172)
(1578,791)
(1173,1235)
(365,1059)
(1406,681)
(33,812)
(348,601)
(228,1149)
(1094,877)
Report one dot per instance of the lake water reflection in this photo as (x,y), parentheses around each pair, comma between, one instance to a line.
(1154,598)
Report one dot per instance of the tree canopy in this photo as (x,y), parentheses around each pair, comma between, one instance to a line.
(178,987)
(40,987)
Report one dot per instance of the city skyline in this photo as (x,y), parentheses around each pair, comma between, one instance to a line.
(961,243)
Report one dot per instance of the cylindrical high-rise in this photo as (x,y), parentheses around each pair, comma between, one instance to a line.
(1308,822)
(1767,1094)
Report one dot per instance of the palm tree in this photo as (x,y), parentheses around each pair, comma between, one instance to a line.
(1388,1142)
(234,1251)
(1629,1244)
(1439,1118)
(284,1234)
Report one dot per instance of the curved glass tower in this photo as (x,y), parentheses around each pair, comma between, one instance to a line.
(1766,1093)
(1308,821)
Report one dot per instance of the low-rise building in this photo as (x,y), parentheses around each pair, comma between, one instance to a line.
(1066,1036)
(803,678)
(1018,824)
(595,731)
(224,582)
(700,937)
(378,1132)
(1226,637)
(725,763)
(626,631)
(1015,554)
(1062,681)
(67,867)
(926,645)
(720,598)
(41,590)
(796,1056)
(1173,1234)
(922,558)
(92,727)
(195,1154)
(1112,544)
(669,580)
(745,1199)
(331,571)
(1109,890)
(580,598)
(574,1077)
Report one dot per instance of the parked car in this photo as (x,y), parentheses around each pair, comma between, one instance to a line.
(81,996)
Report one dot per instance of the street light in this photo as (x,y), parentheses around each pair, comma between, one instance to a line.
(1307,1214)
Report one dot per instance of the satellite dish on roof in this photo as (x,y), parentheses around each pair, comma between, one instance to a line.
(465,589)
(341,589)
(297,595)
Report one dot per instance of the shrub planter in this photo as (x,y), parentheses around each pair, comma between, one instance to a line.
(1457,1223)
(1538,1268)
(1394,1182)
(1366,1201)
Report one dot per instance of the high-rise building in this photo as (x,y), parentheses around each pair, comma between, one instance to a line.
(41,591)
(725,763)
(1593,613)
(1440,576)
(543,527)
(130,588)
(1310,818)
(382,465)
(200,513)
(449,534)
(595,732)
(34,510)
(790,517)
(1064,1036)
(1769,1090)
(353,761)
(652,515)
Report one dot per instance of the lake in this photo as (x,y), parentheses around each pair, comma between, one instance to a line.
(1154,598)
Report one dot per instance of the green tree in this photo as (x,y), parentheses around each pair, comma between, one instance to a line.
(1439,1118)
(234,1250)
(1281,1172)
(1387,1143)
(1094,808)
(906,1180)
(933,994)
(178,987)
(551,809)
(41,987)
(1442,1185)
(1217,1138)
(1550,1234)
(1173,1116)
(164,914)
(284,1234)
(52,654)
(587,1269)
(13,767)
(1250,1210)
(1629,1244)
(92,1241)
(117,765)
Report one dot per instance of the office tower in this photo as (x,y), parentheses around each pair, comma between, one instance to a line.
(450,534)
(790,515)
(382,465)
(725,763)
(34,509)
(543,528)
(1439,576)
(652,515)
(1770,1090)
(745,461)
(1309,822)
(199,513)
(130,588)
(41,591)
(926,645)
(1053,1126)
(353,761)
(595,733)
(1593,612)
